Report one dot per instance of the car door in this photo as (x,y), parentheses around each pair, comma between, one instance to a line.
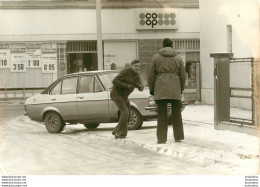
(92,100)
(63,98)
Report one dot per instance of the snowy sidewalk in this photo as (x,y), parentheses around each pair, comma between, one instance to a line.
(228,152)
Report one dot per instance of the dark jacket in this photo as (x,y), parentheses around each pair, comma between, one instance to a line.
(125,82)
(167,75)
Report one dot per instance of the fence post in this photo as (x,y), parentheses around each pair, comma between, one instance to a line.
(198,81)
(221,87)
(23,92)
(6,97)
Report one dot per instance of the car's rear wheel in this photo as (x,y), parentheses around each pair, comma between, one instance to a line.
(53,122)
(136,120)
(91,125)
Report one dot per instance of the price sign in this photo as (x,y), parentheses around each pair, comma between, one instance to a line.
(18,60)
(33,56)
(49,61)
(4,56)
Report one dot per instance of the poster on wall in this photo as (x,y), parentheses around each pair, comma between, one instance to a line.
(183,56)
(108,60)
(49,60)
(33,56)
(4,56)
(18,59)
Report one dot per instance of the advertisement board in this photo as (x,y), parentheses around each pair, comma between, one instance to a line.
(49,60)
(4,56)
(33,56)
(18,60)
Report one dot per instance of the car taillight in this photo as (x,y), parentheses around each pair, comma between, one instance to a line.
(151,101)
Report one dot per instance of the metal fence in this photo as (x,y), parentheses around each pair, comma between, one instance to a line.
(242,80)
(256,91)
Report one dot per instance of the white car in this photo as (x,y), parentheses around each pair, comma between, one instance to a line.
(85,98)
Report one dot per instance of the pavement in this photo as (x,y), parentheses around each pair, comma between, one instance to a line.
(229,153)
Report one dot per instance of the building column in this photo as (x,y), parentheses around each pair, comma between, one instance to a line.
(99,36)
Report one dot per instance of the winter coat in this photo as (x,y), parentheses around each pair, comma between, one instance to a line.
(167,75)
(125,82)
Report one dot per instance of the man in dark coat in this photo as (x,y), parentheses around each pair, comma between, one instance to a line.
(166,82)
(123,85)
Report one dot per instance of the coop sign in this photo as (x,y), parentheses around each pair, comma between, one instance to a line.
(147,20)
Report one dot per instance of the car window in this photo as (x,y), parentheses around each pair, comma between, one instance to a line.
(107,79)
(69,86)
(98,87)
(86,84)
(57,89)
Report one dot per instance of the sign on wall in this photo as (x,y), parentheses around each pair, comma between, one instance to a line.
(49,60)
(183,56)
(108,60)
(18,60)
(156,20)
(33,55)
(4,56)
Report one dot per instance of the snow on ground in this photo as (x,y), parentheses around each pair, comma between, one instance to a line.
(225,151)
(200,113)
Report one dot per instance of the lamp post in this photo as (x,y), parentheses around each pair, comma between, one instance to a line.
(99,36)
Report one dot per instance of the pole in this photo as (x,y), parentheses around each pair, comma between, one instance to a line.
(99,36)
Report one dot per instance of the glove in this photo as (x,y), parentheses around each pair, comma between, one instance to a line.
(130,87)
(151,92)
(140,87)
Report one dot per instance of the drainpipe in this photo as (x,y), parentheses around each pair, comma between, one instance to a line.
(99,36)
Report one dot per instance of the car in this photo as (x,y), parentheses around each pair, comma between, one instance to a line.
(84,98)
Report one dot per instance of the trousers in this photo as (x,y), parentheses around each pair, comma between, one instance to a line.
(123,105)
(162,120)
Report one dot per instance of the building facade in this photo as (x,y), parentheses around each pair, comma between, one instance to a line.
(227,26)
(40,41)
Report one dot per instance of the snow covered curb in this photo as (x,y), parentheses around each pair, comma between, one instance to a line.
(226,162)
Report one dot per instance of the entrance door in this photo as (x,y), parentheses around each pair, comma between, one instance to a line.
(82,56)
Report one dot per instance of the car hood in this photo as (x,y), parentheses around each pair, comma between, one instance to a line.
(138,94)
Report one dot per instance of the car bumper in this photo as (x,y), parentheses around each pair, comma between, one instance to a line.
(154,108)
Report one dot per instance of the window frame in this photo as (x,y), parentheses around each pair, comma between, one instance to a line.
(67,79)
(61,80)
(94,84)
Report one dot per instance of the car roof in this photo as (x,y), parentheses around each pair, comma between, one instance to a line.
(46,90)
(89,73)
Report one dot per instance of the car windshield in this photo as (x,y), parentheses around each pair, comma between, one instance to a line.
(107,79)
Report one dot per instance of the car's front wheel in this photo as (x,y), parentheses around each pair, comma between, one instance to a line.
(136,120)
(53,122)
(91,125)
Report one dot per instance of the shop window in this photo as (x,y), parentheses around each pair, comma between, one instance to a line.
(190,74)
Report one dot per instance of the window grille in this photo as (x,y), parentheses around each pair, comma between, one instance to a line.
(82,47)
(186,45)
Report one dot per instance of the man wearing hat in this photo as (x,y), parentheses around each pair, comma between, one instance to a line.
(123,85)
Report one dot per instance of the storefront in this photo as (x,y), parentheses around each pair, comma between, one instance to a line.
(33,59)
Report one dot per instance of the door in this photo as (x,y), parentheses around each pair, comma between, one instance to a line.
(92,100)
(63,98)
